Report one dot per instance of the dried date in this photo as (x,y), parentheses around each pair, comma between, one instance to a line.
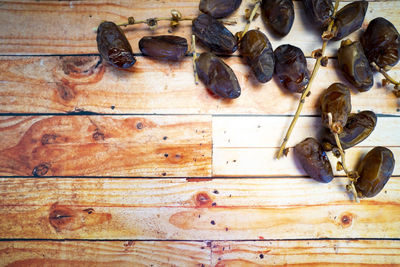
(291,68)
(219,8)
(320,11)
(113,46)
(257,50)
(217,76)
(278,14)
(165,46)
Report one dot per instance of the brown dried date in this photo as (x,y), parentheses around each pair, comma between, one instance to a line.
(217,76)
(355,65)
(375,170)
(113,46)
(257,50)
(320,11)
(381,43)
(214,34)
(358,127)
(278,14)
(291,68)
(349,19)
(165,46)
(314,160)
(336,100)
(219,8)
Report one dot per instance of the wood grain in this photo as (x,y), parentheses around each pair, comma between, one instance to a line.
(306,253)
(83,83)
(111,253)
(106,146)
(234,209)
(247,146)
(72,23)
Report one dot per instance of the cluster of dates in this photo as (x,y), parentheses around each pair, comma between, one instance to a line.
(379,45)
(352,128)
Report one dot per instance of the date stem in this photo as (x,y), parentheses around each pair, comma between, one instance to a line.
(351,175)
(388,78)
(308,87)
(252,14)
(196,76)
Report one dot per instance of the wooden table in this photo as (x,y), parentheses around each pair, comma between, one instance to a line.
(110,168)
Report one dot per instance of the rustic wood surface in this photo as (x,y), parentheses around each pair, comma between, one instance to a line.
(101,167)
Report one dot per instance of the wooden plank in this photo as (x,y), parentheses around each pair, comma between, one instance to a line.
(307,253)
(72,24)
(110,253)
(68,84)
(179,209)
(106,146)
(246,146)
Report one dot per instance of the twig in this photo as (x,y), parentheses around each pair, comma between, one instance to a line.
(388,78)
(252,14)
(308,88)
(351,175)
(196,76)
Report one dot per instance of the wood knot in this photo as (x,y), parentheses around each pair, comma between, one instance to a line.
(202,199)
(346,219)
(98,136)
(78,67)
(49,139)
(41,169)
(65,90)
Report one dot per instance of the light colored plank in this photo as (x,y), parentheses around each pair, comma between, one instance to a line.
(247,146)
(179,209)
(72,23)
(106,145)
(307,253)
(110,253)
(67,84)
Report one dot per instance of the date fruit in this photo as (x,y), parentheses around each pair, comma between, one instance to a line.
(336,100)
(349,19)
(214,34)
(319,11)
(375,170)
(219,8)
(291,68)
(257,50)
(169,47)
(358,127)
(381,43)
(217,76)
(355,65)
(113,46)
(278,14)
(314,160)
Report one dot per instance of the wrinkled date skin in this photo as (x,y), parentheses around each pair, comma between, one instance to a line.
(313,159)
(349,19)
(217,76)
(278,14)
(375,170)
(381,43)
(113,46)
(355,65)
(219,8)
(291,68)
(214,34)
(165,46)
(257,50)
(358,127)
(336,100)
(319,11)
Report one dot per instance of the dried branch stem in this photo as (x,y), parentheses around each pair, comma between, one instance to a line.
(253,13)
(196,76)
(350,186)
(308,88)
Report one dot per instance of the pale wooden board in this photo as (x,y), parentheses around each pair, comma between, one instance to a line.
(106,145)
(307,253)
(66,27)
(247,146)
(179,209)
(67,84)
(110,253)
